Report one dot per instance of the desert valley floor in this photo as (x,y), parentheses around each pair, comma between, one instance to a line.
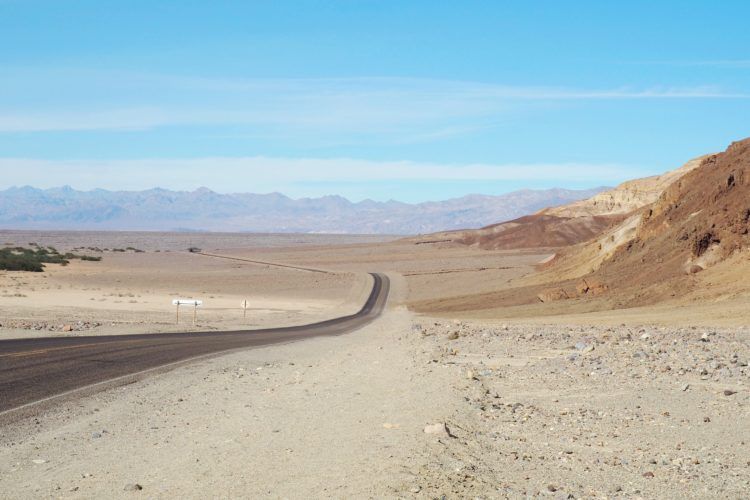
(456,391)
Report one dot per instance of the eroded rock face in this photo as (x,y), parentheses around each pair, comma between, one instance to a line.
(700,221)
(591,287)
(553,294)
(609,214)
(627,197)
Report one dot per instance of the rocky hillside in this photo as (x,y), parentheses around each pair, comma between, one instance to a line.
(535,231)
(203,209)
(607,214)
(701,220)
(625,198)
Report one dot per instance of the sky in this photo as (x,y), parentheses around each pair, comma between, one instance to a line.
(409,100)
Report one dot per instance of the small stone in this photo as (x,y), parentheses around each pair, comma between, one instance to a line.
(648,474)
(39,461)
(440,429)
(133,487)
(96,435)
(645,336)
(67,328)
(685,387)
(704,337)
(729,392)
(470,375)
(453,336)
(416,489)
(551,487)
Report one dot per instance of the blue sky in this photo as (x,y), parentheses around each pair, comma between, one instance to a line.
(412,100)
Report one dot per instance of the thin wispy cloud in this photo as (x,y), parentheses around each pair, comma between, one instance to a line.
(392,107)
(714,63)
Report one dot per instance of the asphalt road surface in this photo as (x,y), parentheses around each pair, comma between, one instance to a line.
(38,369)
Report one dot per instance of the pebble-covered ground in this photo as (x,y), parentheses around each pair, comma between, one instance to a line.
(577,412)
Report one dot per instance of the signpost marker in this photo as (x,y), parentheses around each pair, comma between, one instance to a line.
(244,309)
(186,302)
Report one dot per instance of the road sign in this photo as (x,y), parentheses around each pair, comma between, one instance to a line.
(186,302)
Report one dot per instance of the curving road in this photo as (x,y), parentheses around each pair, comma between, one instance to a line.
(40,369)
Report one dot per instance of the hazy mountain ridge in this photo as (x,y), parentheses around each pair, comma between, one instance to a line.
(160,209)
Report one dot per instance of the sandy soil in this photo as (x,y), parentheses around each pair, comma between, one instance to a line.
(569,404)
(132,293)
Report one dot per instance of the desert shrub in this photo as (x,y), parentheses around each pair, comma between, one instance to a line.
(33,259)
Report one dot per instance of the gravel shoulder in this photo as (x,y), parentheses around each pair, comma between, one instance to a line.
(589,411)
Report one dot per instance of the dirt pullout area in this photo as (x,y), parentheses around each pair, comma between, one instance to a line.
(412,408)
(588,412)
(326,418)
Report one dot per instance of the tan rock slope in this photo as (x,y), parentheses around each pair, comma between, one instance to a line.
(608,213)
(625,198)
(700,220)
(689,246)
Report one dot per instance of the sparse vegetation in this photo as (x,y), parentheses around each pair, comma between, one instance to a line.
(33,259)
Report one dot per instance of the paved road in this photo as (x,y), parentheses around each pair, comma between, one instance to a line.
(39,368)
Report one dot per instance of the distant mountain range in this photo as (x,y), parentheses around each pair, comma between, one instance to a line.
(205,210)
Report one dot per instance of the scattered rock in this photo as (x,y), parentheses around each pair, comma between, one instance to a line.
(439,429)
(694,269)
(648,474)
(133,487)
(584,346)
(729,392)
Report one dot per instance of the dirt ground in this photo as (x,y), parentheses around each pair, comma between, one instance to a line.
(489,402)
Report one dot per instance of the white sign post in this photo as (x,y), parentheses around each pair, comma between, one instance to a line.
(187,302)
(244,309)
